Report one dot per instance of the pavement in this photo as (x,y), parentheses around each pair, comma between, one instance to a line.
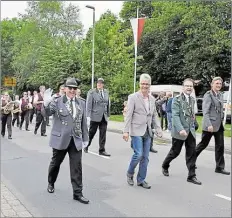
(24,167)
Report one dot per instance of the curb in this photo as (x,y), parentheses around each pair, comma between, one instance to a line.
(167,141)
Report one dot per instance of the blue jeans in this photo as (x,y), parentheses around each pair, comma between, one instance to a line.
(141,146)
(169,116)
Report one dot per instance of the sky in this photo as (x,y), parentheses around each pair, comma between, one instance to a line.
(10,9)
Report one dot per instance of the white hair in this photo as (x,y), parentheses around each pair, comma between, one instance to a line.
(145,76)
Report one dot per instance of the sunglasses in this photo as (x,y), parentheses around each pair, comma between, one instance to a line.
(70,88)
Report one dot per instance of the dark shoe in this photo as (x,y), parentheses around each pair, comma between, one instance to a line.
(3,135)
(153,150)
(222,171)
(51,188)
(9,137)
(194,180)
(20,127)
(48,124)
(104,154)
(165,172)
(43,134)
(86,150)
(35,132)
(81,199)
(130,180)
(144,185)
(27,129)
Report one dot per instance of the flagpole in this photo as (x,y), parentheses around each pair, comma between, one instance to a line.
(136,49)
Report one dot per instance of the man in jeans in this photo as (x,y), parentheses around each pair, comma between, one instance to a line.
(141,116)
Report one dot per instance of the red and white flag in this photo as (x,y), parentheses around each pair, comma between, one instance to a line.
(137,27)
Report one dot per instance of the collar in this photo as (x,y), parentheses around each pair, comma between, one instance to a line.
(186,96)
(141,94)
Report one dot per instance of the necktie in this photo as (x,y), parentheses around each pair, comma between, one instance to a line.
(71,107)
(101,93)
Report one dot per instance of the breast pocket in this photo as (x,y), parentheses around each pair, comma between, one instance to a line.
(63,112)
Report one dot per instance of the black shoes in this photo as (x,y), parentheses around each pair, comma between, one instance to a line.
(35,132)
(165,172)
(144,185)
(81,199)
(103,153)
(153,150)
(194,180)
(86,150)
(9,137)
(222,171)
(43,134)
(130,180)
(51,188)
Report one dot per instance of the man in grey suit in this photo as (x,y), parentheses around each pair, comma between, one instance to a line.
(98,112)
(212,124)
(69,134)
(183,131)
(140,122)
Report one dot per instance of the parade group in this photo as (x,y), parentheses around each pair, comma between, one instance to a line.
(72,114)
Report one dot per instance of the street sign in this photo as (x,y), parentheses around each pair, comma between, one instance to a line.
(10,81)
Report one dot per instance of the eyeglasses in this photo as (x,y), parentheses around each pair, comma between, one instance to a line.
(70,88)
(145,84)
(188,86)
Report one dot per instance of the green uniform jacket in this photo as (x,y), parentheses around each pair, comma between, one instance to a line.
(183,117)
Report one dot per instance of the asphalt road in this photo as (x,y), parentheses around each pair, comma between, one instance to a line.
(24,166)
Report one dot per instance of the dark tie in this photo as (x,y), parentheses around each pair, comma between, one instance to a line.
(71,107)
(101,93)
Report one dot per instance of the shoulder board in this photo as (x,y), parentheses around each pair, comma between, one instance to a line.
(82,99)
(92,90)
(208,92)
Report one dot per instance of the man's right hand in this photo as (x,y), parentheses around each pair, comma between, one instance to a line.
(210,128)
(125,136)
(183,133)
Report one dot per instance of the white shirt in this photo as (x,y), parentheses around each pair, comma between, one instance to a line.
(101,92)
(73,104)
(187,97)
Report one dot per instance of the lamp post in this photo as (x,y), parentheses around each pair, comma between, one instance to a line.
(93,8)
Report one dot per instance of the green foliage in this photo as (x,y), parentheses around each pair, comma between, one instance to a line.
(180,39)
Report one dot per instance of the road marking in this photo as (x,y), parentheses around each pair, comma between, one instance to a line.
(98,155)
(223,196)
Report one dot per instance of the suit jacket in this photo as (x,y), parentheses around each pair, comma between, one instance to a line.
(65,126)
(138,119)
(183,116)
(212,111)
(97,106)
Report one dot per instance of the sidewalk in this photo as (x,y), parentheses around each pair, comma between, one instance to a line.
(117,127)
(10,205)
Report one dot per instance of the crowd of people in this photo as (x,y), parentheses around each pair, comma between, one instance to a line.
(71,115)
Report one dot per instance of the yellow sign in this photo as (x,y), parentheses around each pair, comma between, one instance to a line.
(9,81)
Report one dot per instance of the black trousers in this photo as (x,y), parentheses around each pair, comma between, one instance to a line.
(6,121)
(75,163)
(25,116)
(190,156)
(16,118)
(219,146)
(102,133)
(31,114)
(164,120)
(40,119)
